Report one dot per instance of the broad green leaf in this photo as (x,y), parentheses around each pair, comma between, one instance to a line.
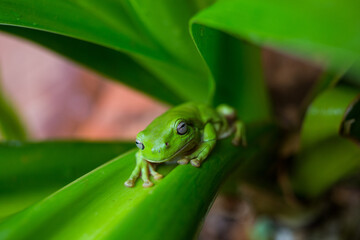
(30,171)
(98,206)
(11,126)
(326,31)
(326,156)
(324,116)
(154,36)
(236,70)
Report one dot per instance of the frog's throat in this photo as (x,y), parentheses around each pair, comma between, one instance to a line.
(171,157)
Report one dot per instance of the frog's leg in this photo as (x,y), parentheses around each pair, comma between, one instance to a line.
(155,174)
(201,153)
(240,136)
(136,172)
(141,166)
(183,161)
(145,174)
(236,125)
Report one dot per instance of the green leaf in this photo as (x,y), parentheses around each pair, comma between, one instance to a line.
(325,115)
(137,29)
(326,156)
(326,31)
(101,207)
(236,69)
(30,171)
(11,126)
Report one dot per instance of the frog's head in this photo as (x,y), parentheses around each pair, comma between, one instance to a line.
(165,139)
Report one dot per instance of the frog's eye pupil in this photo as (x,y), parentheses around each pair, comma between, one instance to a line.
(139,144)
(181,128)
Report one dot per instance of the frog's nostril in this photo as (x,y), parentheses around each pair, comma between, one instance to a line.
(167,144)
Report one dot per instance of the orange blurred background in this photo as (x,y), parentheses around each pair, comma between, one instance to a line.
(59,99)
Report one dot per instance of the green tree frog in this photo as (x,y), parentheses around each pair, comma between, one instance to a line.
(186,133)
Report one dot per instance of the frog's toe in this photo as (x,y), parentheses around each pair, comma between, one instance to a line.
(183,161)
(158,176)
(195,162)
(129,183)
(147,184)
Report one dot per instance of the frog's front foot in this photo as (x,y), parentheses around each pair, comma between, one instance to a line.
(129,183)
(147,184)
(183,161)
(198,157)
(195,162)
(143,168)
(155,174)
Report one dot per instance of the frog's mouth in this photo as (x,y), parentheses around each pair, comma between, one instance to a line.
(172,156)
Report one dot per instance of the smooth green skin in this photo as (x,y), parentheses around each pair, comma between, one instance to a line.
(163,143)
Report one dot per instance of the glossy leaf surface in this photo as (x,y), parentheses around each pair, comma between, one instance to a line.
(30,171)
(304,28)
(236,71)
(101,207)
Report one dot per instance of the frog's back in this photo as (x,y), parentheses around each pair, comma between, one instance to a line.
(200,111)
(188,111)
(198,114)
(203,114)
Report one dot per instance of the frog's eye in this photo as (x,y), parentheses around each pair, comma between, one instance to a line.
(181,128)
(139,144)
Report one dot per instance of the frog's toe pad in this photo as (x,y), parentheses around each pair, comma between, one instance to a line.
(195,162)
(129,183)
(183,161)
(158,176)
(147,184)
